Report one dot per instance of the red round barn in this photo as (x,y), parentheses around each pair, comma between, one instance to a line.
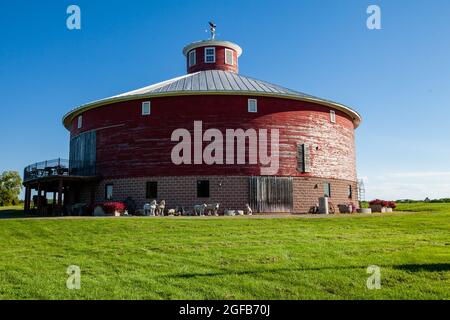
(131,139)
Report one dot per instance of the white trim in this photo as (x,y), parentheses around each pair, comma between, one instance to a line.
(232,57)
(192,62)
(146,104)
(332,116)
(209,55)
(80,121)
(249,106)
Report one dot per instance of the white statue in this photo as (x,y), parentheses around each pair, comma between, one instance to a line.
(199,210)
(160,208)
(248,209)
(149,209)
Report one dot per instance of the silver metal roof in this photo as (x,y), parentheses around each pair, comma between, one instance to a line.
(211,81)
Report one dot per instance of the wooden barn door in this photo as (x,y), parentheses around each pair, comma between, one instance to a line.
(271,194)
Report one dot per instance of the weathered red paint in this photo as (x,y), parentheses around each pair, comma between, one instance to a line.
(132,145)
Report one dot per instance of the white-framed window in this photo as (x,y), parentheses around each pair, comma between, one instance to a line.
(332,116)
(192,58)
(80,122)
(146,108)
(229,58)
(252,105)
(210,55)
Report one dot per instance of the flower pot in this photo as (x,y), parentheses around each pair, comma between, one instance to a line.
(377,208)
(365,210)
(99,212)
(389,210)
(230,213)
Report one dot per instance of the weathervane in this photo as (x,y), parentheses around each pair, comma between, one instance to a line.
(212,28)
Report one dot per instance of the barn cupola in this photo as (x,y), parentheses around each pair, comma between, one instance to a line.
(212,54)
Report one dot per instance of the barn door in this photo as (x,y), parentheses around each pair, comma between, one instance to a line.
(271,194)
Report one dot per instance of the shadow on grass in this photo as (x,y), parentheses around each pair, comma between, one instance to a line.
(431,267)
(436,267)
(256,272)
(12,213)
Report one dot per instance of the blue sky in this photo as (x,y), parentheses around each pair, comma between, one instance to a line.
(397,78)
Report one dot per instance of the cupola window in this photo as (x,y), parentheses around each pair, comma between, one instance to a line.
(229,57)
(80,122)
(192,58)
(210,55)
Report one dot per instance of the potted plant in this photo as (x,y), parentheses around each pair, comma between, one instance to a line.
(364,207)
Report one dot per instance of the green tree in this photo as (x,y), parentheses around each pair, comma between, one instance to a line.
(10,188)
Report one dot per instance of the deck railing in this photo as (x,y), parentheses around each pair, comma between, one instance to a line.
(58,167)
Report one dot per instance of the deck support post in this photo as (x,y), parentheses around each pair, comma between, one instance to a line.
(60,194)
(27,204)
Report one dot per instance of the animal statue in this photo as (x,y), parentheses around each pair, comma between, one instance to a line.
(199,210)
(248,209)
(214,208)
(171,212)
(160,208)
(149,209)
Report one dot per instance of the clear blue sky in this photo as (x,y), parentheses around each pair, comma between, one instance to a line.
(397,78)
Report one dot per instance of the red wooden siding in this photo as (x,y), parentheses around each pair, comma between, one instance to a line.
(132,145)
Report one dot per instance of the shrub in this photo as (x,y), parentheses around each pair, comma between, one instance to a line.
(383,203)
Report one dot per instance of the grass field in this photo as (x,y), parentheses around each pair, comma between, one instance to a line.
(228,258)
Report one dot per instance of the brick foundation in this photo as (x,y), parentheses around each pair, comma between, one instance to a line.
(232,192)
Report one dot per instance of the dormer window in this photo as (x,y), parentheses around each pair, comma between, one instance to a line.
(146,108)
(229,59)
(210,55)
(80,122)
(192,58)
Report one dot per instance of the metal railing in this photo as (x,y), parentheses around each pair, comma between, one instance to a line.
(58,167)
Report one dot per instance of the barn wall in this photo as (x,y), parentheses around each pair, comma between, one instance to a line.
(132,145)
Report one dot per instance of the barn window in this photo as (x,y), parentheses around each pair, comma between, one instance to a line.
(192,58)
(229,59)
(332,116)
(327,189)
(210,55)
(252,105)
(146,108)
(350,191)
(203,189)
(152,190)
(303,158)
(109,188)
(80,122)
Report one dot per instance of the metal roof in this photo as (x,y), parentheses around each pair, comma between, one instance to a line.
(209,82)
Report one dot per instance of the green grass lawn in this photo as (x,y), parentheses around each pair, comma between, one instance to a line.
(228,258)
